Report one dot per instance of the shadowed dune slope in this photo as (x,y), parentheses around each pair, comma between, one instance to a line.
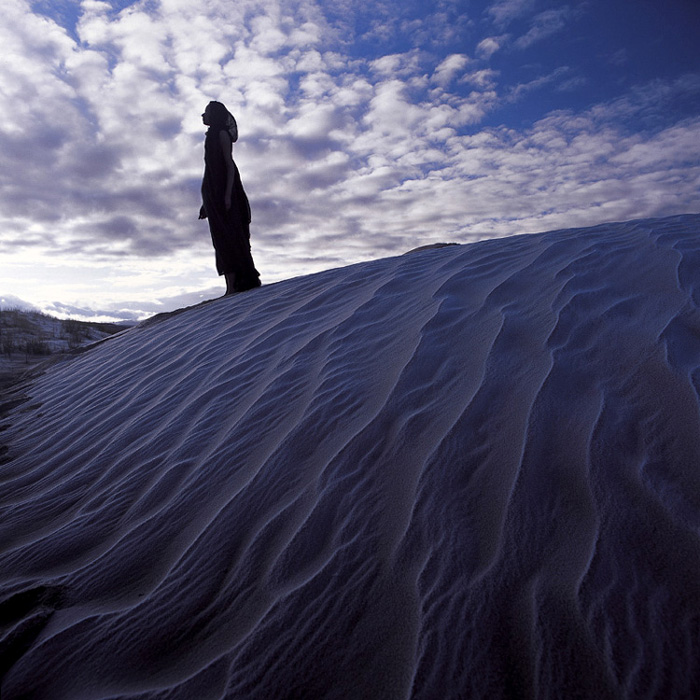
(467,472)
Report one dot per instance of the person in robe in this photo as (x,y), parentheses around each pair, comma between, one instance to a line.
(224,202)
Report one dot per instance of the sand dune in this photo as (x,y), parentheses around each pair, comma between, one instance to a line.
(473,471)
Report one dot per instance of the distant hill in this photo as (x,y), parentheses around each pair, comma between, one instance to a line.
(10,301)
(124,313)
(28,334)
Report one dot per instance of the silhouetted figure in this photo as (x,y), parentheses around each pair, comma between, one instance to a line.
(225,203)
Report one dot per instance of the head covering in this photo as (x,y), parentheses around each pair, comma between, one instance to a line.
(221,118)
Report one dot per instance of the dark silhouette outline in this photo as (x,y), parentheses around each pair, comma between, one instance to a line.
(224,202)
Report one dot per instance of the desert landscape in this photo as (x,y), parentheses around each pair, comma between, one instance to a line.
(471,471)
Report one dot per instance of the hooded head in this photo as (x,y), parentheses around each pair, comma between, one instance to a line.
(218,117)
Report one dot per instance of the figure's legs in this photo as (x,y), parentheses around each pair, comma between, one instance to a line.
(230,282)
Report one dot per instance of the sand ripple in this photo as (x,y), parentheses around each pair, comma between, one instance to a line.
(466,472)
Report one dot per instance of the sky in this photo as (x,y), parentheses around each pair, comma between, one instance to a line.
(366,129)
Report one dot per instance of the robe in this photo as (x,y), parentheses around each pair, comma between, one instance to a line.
(230,230)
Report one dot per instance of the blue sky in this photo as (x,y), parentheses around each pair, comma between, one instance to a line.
(366,129)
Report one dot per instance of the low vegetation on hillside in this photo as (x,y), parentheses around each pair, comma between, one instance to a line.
(31,334)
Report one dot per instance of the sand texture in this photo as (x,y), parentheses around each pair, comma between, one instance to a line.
(467,472)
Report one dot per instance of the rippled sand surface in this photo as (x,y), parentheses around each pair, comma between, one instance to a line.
(467,472)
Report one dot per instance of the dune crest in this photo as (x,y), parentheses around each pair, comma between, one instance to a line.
(468,472)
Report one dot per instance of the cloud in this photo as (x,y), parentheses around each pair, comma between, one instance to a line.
(561,76)
(505,11)
(485,79)
(619,57)
(344,156)
(489,46)
(450,68)
(647,105)
(546,24)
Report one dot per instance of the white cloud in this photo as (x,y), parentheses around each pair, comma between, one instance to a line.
(545,24)
(306,36)
(391,113)
(503,12)
(354,92)
(489,46)
(452,67)
(397,65)
(484,79)
(560,75)
(344,158)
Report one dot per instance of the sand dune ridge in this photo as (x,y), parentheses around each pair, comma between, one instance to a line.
(471,471)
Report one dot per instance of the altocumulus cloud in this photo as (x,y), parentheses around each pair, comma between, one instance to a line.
(359,137)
